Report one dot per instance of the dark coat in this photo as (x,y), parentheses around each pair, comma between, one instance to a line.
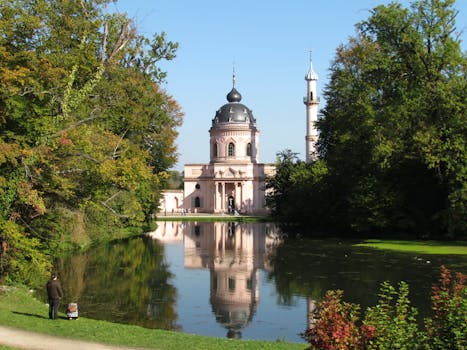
(54,289)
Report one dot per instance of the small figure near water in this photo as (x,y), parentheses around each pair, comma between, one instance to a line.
(54,293)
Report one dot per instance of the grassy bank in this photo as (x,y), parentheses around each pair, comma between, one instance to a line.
(18,308)
(420,247)
(213,218)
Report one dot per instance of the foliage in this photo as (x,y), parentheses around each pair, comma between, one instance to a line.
(22,259)
(393,320)
(174,180)
(85,128)
(392,136)
(392,324)
(334,325)
(447,328)
(291,183)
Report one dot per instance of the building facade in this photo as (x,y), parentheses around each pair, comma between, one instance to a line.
(234,181)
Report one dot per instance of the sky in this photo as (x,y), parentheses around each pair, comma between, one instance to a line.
(268,43)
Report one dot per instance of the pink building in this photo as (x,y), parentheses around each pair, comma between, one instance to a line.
(233,180)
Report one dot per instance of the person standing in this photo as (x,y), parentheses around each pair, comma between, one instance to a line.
(55,293)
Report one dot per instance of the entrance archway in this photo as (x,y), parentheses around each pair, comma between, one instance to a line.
(231,204)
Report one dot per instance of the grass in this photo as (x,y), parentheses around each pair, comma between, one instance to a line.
(226,218)
(19,309)
(421,247)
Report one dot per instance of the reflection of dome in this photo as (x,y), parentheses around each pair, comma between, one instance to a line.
(233,317)
(234,111)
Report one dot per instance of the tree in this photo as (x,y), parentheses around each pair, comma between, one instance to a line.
(392,136)
(85,128)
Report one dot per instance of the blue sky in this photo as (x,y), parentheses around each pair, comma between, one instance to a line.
(269,43)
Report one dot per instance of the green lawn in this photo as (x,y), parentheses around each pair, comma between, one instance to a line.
(212,218)
(421,247)
(19,309)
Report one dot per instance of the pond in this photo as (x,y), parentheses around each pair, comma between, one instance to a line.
(235,280)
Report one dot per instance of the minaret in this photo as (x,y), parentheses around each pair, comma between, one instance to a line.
(311,102)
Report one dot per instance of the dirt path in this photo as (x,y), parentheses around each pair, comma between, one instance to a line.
(36,341)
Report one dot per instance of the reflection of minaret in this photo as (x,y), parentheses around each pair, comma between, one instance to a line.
(311,306)
(311,102)
(234,254)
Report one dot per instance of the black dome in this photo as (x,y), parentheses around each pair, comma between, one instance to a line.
(234,96)
(234,111)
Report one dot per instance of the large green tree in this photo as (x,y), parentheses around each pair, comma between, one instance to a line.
(393,132)
(86,132)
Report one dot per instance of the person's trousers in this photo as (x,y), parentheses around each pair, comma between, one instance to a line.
(53,308)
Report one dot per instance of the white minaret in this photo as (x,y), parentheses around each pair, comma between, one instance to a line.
(311,102)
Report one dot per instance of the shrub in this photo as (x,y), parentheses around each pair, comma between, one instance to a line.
(392,324)
(394,320)
(335,325)
(448,327)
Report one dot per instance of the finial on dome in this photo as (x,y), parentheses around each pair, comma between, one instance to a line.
(233,75)
(234,95)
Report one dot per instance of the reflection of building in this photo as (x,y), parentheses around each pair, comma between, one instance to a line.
(169,231)
(233,253)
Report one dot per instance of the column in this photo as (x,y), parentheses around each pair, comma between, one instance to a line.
(238,203)
(223,197)
(241,195)
(216,196)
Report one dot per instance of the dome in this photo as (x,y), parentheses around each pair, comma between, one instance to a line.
(233,317)
(234,96)
(234,111)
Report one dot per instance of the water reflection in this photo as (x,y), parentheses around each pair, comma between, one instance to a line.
(127,281)
(233,254)
(242,280)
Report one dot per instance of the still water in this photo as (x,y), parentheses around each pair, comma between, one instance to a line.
(235,280)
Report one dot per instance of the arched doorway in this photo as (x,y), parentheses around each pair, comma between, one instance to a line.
(231,204)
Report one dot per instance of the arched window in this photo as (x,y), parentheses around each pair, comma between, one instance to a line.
(197,202)
(214,150)
(231,284)
(231,149)
(248,149)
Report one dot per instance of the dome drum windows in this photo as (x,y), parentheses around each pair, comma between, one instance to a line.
(231,149)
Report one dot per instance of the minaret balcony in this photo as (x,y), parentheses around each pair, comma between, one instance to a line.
(308,100)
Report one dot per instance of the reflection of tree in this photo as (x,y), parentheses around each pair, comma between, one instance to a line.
(126,281)
(309,268)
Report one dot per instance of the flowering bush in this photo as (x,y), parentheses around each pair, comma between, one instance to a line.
(448,327)
(391,324)
(335,325)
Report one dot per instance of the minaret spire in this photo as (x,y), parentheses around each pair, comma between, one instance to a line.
(311,101)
